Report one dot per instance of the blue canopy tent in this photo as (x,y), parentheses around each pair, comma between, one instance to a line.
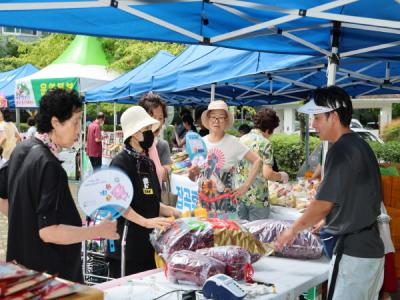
(252,78)
(7,82)
(327,28)
(197,65)
(286,26)
(118,89)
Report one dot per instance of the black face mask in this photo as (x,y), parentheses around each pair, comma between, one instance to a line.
(148,139)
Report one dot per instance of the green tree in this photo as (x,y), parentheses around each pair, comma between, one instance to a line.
(124,55)
(396,110)
(39,53)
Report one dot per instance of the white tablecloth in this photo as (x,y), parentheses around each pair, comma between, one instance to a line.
(291,277)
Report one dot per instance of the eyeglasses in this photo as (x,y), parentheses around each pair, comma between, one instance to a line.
(217,119)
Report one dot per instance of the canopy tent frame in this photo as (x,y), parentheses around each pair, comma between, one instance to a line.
(237,8)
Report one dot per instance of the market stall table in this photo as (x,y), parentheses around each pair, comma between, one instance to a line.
(291,278)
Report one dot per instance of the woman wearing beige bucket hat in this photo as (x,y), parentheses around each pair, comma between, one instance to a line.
(216,191)
(146,209)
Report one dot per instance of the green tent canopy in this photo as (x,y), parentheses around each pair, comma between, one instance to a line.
(82,66)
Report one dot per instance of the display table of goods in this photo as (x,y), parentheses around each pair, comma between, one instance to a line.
(293,194)
(18,282)
(275,278)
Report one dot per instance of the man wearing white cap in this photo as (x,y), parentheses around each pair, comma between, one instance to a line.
(349,199)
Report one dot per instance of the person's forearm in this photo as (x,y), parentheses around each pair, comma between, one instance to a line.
(67,234)
(253,172)
(134,217)
(312,215)
(165,210)
(4,206)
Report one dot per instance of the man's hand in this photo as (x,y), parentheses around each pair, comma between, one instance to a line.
(159,222)
(284,177)
(317,227)
(108,229)
(286,238)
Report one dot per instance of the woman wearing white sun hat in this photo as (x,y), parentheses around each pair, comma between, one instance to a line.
(146,209)
(216,191)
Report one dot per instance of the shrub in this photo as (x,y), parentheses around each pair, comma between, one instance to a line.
(388,152)
(289,152)
(391,132)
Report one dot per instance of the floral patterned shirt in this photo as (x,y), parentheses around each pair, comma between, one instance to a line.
(258,193)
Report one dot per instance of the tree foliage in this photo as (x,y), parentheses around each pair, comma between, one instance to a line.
(122,55)
(39,53)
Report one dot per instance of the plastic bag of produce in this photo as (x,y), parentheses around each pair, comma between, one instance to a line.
(306,245)
(189,266)
(237,260)
(198,233)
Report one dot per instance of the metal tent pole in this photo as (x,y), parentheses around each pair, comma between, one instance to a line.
(333,62)
(115,119)
(212,97)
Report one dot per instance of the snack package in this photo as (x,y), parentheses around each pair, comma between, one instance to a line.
(198,233)
(189,266)
(306,245)
(236,259)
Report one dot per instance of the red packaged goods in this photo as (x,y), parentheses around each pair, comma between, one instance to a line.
(306,245)
(199,233)
(189,266)
(237,260)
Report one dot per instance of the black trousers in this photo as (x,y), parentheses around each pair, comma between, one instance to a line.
(96,162)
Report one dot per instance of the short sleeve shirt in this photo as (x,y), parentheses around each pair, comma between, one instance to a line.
(39,196)
(258,192)
(163,152)
(94,149)
(352,183)
(216,181)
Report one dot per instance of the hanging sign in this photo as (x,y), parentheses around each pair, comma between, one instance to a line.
(28,93)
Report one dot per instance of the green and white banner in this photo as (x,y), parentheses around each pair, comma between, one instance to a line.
(28,93)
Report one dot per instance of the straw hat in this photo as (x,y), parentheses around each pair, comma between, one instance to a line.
(136,118)
(218,104)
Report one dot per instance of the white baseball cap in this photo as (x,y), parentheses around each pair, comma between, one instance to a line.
(311,108)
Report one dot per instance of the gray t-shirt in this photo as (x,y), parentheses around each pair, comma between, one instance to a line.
(163,152)
(352,183)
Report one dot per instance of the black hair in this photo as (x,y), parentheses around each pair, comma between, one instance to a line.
(199,111)
(244,128)
(57,103)
(151,101)
(337,98)
(188,119)
(6,114)
(31,121)
(266,119)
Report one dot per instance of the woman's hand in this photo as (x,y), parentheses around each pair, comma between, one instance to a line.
(108,229)
(194,171)
(241,190)
(174,212)
(159,223)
